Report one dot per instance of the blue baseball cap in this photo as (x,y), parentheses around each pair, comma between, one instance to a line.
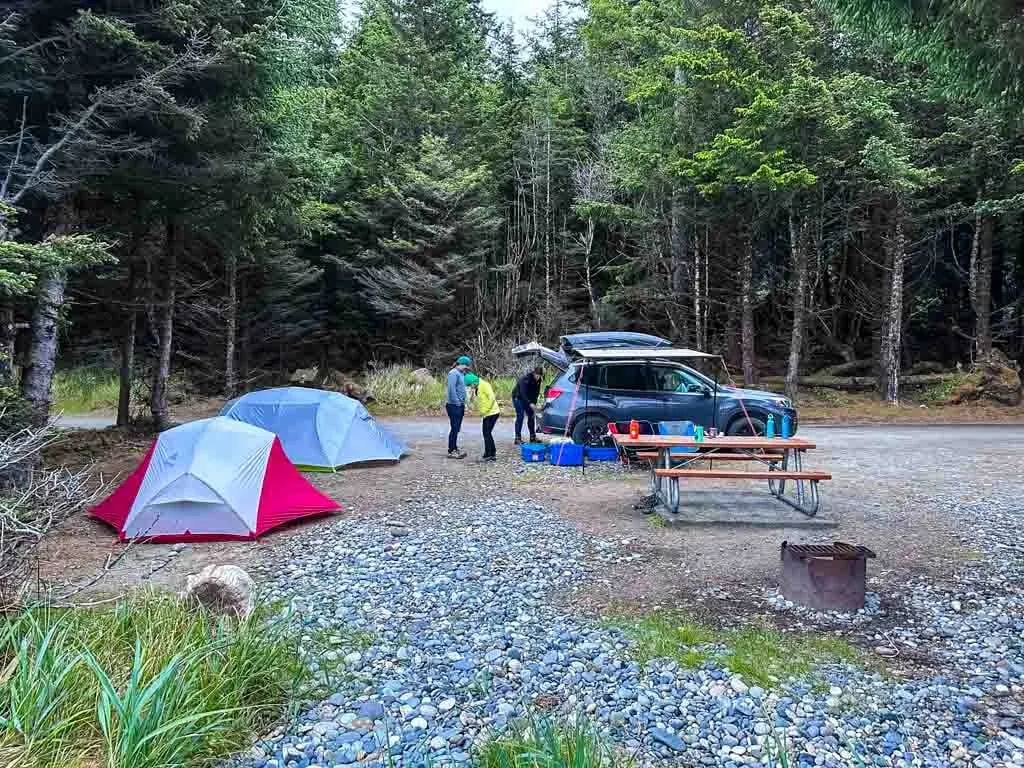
(464,360)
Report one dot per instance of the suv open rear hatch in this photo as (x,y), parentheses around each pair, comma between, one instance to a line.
(562,358)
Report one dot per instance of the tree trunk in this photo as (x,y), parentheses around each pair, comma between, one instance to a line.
(124,394)
(42,357)
(37,379)
(678,248)
(698,295)
(165,326)
(796,340)
(547,217)
(588,247)
(894,316)
(981,285)
(747,319)
(230,375)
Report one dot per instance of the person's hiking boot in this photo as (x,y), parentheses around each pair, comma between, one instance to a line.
(456,454)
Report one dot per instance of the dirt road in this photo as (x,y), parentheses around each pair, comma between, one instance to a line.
(894,489)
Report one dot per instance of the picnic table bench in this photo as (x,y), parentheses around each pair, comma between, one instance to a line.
(782,459)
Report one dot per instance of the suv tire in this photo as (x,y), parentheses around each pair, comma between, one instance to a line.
(589,429)
(739,425)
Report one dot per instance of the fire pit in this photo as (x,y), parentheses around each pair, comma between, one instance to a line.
(825,577)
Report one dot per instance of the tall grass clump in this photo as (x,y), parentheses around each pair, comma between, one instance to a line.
(148,684)
(395,390)
(543,743)
(87,389)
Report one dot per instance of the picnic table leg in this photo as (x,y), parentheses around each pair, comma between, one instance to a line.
(670,497)
(778,487)
(798,465)
(807,499)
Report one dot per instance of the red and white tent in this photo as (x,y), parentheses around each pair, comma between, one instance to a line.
(211,480)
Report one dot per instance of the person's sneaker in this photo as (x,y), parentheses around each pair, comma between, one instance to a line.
(490,458)
(517,441)
(456,455)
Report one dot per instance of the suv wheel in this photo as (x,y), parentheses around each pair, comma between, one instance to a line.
(741,426)
(589,430)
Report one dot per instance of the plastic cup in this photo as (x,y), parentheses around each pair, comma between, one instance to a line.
(699,434)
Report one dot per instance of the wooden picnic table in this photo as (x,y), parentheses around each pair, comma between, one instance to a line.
(782,459)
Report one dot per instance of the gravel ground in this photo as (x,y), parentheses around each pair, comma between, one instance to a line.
(450,621)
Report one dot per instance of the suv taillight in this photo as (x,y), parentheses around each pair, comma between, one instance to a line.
(553,394)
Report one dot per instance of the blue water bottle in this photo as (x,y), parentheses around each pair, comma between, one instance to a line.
(787,426)
(769,428)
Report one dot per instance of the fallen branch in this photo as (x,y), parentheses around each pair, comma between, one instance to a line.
(33,500)
(855,383)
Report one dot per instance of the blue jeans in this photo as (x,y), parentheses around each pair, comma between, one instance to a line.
(524,410)
(455,415)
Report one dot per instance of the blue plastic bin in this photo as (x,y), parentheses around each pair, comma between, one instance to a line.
(533,452)
(597,453)
(565,454)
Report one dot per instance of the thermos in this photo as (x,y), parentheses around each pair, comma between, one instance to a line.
(634,429)
(787,426)
(769,428)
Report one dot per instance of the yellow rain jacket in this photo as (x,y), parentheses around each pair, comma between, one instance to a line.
(485,399)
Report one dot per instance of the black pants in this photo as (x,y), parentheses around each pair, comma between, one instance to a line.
(489,422)
(524,410)
(455,414)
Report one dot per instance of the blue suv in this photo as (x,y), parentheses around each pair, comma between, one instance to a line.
(584,399)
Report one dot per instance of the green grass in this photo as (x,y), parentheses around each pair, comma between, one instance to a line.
(396,392)
(83,390)
(941,392)
(147,684)
(758,654)
(544,743)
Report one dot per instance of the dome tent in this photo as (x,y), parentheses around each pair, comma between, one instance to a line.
(210,480)
(319,430)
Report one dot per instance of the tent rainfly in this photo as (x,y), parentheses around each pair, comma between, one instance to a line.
(319,430)
(211,480)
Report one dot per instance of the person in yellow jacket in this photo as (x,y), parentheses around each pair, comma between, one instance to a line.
(487,404)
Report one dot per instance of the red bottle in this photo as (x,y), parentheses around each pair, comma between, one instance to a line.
(634,430)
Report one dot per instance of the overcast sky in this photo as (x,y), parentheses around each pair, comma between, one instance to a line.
(517,10)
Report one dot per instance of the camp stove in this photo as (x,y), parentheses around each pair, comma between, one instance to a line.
(825,577)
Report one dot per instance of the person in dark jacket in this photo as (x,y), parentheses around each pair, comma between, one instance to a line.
(524,398)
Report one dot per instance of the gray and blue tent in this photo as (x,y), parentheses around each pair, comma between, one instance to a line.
(318,430)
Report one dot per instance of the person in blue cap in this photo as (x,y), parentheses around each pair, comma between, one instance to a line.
(455,404)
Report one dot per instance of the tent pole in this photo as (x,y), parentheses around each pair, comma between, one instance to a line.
(586,407)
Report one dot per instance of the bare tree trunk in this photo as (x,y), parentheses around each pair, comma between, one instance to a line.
(547,214)
(165,325)
(796,340)
(588,247)
(230,375)
(37,379)
(42,357)
(124,394)
(678,247)
(981,285)
(894,317)
(747,319)
(698,312)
